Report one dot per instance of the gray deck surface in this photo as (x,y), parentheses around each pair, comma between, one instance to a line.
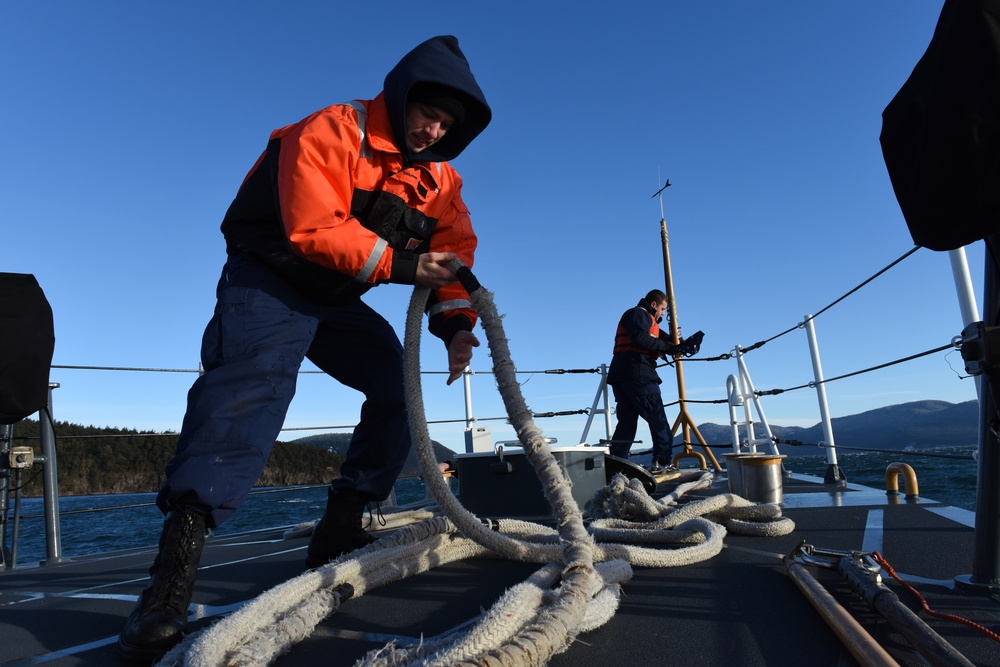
(738,608)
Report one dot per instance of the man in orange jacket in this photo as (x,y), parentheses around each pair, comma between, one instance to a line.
(355,195)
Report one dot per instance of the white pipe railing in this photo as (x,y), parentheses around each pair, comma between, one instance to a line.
(824,409)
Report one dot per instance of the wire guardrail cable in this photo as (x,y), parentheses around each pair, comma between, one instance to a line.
(831,304)
(901,452)
(814,383)
(561,371)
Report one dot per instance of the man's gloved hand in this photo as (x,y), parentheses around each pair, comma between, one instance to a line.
(688,347)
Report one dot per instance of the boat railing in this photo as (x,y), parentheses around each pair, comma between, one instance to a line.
(741,393)
(50,486)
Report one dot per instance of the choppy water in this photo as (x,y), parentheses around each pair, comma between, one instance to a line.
(88,527)
(947,480)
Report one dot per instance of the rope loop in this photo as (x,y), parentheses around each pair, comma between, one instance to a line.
(576,589)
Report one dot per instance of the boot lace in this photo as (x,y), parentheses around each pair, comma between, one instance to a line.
(171,588)
(375,515)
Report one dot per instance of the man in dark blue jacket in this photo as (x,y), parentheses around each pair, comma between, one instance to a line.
(636,384)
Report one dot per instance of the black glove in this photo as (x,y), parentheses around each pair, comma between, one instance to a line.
(688,347)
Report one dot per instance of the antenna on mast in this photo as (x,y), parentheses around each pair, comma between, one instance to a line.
(659,193)
(684,420)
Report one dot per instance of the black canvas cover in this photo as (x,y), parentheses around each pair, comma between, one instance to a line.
(26,345)
(941,132)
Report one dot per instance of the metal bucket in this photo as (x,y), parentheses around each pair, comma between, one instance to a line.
(734,470)
(761,478)
(734,473)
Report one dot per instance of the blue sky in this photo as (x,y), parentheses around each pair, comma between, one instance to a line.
(129,126)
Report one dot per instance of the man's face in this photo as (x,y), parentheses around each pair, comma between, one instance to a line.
(425,125)
(658,309)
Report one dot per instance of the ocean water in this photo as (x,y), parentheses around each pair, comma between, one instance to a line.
(93,524)
(947,475)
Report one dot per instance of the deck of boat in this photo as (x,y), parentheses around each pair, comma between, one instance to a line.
(738,608)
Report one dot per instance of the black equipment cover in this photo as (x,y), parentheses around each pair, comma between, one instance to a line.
(26,345)
(941,132)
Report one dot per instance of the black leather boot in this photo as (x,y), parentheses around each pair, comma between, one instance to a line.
(340,529)
(157,622)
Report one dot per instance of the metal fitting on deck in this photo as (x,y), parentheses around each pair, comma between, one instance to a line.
(892,474)
(689,454)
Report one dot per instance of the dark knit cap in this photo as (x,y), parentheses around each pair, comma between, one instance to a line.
(436,95)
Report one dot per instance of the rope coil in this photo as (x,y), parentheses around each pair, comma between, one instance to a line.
(575,591)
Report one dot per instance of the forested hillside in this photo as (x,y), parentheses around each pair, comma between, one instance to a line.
(95,460)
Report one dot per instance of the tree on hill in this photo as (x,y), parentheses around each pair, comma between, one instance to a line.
(94,460)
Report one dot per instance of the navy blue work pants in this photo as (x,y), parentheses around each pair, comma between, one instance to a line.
(641,399)
(251,352)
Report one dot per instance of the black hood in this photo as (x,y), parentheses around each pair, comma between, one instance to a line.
(438,60)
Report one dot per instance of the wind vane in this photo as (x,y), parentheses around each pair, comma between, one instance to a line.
(659,193)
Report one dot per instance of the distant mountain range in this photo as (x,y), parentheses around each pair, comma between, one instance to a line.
(130,461)
(915,425)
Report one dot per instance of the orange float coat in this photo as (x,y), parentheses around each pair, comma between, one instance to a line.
(623,341)
(638,344)
(336,206)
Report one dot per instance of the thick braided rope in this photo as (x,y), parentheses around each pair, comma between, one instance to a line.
(467,523)
(557,623)
(626,498)
(607,529)
(508,615)
(546,620)
(707,543)
(290,611)
(515,609)
(783,526)
(703,539)
(396,564)
(702,481)
(299,619)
